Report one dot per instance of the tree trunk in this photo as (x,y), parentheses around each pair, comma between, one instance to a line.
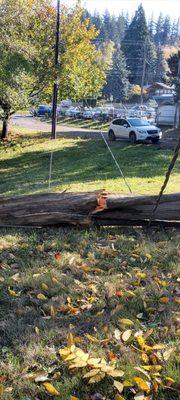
(4,134)
(90,208)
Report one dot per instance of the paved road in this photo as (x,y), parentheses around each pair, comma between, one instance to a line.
(27,121)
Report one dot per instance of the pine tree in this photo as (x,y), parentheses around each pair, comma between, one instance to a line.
(121,27)
(106,27)
(175,33)
(134,44)
(117,80)
(161,66)
(158,37)
(166,31)
(173,62)
(151,62)
(151,26)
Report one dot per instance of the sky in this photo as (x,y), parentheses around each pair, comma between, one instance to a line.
(167,7)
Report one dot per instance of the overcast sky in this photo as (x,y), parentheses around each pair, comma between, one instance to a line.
(167,7)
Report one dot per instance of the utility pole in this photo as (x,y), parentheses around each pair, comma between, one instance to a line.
(143,72)
(56,64)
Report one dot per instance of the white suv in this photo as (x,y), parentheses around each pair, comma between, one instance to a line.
(134,129)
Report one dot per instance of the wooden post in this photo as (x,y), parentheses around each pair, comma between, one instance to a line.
(55,87)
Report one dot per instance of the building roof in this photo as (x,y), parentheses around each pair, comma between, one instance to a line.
(159,85)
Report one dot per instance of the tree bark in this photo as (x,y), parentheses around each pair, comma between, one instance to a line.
(89,208)
(4,134)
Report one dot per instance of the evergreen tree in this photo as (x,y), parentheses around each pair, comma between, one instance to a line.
(134,44)
(151,26)
(175,33)
(166,31)
(151,62)
(106,27)
(121,27)
(161,69)
(127,20)
(173,65)
(117,79)
(158,37)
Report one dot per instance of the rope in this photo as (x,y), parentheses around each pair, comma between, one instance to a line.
(112,155)
(167,176)
(50,168)
(117,165)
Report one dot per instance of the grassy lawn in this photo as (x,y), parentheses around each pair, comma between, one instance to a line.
(86,124)
(82,164)
(98,302)
(59,281)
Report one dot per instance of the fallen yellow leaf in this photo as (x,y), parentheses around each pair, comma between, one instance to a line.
(91,338)
(145,358)
(116,373)
(91,373)
(143,385)
(148,256)
(126,335)
(97,378)
(74,398)
(12,292)
(119,397)
(125,321)
(44,286)
(164,300)
(141,275)
(177,300)
(37,330)
(54,280)
(139,396)
(1,390)
(153,368)
(119,386)
(41,296)
(51,389)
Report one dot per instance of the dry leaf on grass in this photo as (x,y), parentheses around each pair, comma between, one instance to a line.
(51,389)
(119,386)
(142,384)
(126,335)
(126,322)
(41,296)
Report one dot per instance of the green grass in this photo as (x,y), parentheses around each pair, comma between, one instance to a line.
(81,165)
(87,276)
(85,124)
(28,263)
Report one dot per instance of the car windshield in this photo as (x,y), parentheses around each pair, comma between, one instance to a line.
(138,122)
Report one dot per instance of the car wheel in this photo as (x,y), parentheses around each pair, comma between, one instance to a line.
(132,137)
(155,140)
(111,135)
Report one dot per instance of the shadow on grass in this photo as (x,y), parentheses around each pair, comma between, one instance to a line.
(84,161)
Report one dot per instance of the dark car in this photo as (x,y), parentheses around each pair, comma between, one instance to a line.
(43,111)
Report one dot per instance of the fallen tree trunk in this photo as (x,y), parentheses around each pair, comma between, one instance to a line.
(98,208)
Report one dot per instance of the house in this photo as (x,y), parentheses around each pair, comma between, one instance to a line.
(158,88)
(161,93)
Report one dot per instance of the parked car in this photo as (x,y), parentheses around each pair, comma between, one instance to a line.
(73,112)
(87,114)
(134,129)
(42,111)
